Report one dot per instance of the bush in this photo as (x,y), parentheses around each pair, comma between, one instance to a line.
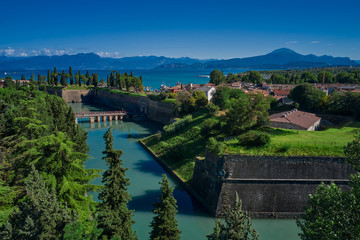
(210,127)
(177,126)
(254,139)
(215,147)
(213,109)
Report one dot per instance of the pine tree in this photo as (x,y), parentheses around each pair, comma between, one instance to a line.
(40,216)
(114,217)
(164,224)
(237,225)
(23,77)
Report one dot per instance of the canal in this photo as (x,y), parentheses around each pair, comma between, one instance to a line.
(145,174)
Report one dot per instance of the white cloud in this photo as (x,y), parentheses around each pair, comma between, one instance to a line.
(315,42)
(291,42)
(11,52)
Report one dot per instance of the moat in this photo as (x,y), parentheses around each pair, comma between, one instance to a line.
(145,173)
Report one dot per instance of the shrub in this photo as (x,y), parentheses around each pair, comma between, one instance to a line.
(177,126)
(215,147)
(254,139)
(210,127)
(213,109)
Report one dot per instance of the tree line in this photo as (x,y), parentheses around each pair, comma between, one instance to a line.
(329,75)
(54,78)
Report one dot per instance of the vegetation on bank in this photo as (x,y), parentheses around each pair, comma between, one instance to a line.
(315,75)
(43,181)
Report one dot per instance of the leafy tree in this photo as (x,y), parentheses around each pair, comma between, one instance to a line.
(237,225)
(246,112)
(307,96)
(23,77)
(217,77)
(352,152)
(200,99)
(255,77)
(164,224)
(114,217)
(8,82)
(40,216)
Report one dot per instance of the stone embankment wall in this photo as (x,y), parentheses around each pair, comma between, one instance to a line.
(156,111)
(269,186)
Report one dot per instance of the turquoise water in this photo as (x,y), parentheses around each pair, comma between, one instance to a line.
(151,78)
(145,175)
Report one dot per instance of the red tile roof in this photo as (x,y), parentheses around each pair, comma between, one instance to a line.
(296,117)
(281,92)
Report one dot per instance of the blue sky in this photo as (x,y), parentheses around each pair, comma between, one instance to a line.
(174,28)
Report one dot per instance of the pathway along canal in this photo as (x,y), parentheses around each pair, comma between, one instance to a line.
(145,174)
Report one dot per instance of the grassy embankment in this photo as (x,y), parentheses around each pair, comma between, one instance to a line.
(179,150)
(284,142)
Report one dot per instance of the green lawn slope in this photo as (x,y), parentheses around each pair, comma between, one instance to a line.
(179,150)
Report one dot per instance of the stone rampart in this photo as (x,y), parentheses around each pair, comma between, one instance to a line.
(269,186)
(156,111)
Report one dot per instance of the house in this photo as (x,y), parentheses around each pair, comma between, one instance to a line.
(209,91)
(295,119)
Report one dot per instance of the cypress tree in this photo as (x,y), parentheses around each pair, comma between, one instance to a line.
(49,78)
(114,217)
(71,75)
(164,224)
(95,78)
(23,77)
(63,78)
(79,79)
(55,74)
(39,79)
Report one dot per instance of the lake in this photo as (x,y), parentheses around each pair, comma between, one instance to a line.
(145,174)
(151,78)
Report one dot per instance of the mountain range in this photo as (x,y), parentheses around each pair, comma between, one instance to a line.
(282,58)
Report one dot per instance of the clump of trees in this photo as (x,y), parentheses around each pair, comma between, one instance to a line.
(187,103)
(312,99)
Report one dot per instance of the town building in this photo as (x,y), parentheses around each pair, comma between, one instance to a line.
(295,119)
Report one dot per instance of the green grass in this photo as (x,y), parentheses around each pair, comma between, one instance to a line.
(117,91)
(169,100)
(179,150)
(77,87)
(329,142)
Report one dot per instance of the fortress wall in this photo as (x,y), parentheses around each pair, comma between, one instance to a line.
(156,111)
(76,96)
(269,186)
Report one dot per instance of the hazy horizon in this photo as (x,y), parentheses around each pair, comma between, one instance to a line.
(211,29)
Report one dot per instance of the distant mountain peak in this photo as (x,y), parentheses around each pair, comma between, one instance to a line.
(283,50)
